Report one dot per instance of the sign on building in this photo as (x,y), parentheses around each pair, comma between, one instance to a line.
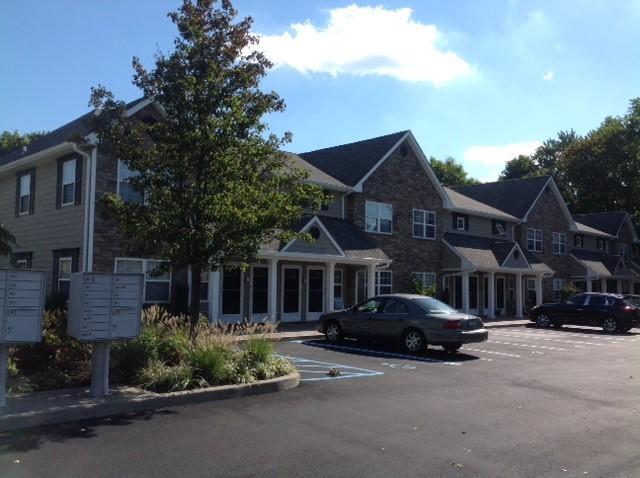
(21,306)
(104,307)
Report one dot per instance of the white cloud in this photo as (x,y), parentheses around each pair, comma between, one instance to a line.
(548,76)
(493,158)
(367,41)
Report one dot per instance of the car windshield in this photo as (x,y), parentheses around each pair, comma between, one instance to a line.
(434,306)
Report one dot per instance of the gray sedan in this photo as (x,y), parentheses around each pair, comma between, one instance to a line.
(416,320)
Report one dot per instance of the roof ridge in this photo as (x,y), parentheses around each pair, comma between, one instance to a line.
(503,181)
(356,142)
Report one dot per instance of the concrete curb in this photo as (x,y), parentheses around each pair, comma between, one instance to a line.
(498,325)
(101,408)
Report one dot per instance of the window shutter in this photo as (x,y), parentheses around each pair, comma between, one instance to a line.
(54,278)
(32,199)
(59,184)
(18,176)
(454,225)
(75,259)
(466,222)
(78,192)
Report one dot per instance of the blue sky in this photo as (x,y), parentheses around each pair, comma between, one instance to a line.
(479,81)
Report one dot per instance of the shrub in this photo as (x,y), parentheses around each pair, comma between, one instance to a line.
(160,377)
(212,363)
(131,356)
(258,350)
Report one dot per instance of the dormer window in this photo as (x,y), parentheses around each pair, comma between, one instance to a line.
(499,228)
(601,245)
(578,241)
(460,222)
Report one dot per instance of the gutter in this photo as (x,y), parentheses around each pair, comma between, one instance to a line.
(87,251)
(66,147)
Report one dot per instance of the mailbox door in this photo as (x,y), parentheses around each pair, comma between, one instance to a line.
(22,328)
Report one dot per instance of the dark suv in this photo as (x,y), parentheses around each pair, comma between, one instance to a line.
(613,312)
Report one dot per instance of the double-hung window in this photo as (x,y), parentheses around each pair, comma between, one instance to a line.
(379,217)
(157,281)
(558,285)
(338,289)
(424,224)
(559,243)
(426,279)
(68,186)
(534,240)
(65,265)
(461,223)
(384,282)
(125,188)
(601,244)
(578,241)
(25,196)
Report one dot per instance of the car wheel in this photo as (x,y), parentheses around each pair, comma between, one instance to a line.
(333,332)
(451,348)
(414,341)
(543,320)
(610,325)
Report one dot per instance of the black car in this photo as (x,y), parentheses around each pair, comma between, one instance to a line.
(612,312)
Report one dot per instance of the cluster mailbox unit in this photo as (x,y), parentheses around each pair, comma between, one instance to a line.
(104,307)
(21,306)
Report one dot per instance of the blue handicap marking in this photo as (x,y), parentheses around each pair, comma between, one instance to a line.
(315,371)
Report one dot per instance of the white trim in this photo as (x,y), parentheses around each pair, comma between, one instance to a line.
(308,257)
(425,224)
(534,239)
(85,230)
(306,227)
(358,186)
(58,150)
(590,272)
(144,261)
(283,316)
(565,210)
(316,315)
(513,249)
(464,223)
(559,235)
(63,184)
(378,217)
(343,197)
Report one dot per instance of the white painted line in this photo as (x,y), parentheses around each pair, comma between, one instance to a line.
(347,371)
(380,353)
(502,354)
(571,333)
(520,336)
(533,346)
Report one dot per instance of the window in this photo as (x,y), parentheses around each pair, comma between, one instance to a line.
(21,264)
(338,289)
(157,282)
(204,287)
(600,244)
(25,194)
(578,240)
(559,243)
(370,306)
(424,224)
(260,291)
(23,260)
(125,188)
(625,251)
(426,279)
(500,228)
(534,240)
(460,223)
(232,292)
(558,285)
(379,217)
(384,282)
(68,185)
(393,306)
(64,275)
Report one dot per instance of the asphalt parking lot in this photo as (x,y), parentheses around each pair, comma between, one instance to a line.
(528,403)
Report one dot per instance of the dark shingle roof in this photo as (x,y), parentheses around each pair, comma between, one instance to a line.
(77,127)
(316,176)
(514,197)
(462,202)
(608,222)
(601,264)
(351,162)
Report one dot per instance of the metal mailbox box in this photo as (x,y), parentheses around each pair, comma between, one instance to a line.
(97,309)
(21,305)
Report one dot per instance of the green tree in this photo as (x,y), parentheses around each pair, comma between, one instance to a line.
(518,168)
(6,241)
(216,185)
(14,140)
(450,173)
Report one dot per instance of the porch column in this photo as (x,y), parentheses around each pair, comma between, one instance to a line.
(214,296)
(619,286)
(371,280)
(603,285)
(589,285)
(538,289)
(519,295)
(272,306)
(331,267)
(465,292)
(491,295)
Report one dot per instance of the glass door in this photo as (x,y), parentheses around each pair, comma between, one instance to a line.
(315,292)
(259,293)
(291,279)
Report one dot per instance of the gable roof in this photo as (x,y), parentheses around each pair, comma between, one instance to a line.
(77,127)
(460,202)
(513,197)
(350,162)
(609,222)
(584,229)
(603,265)
(316,176)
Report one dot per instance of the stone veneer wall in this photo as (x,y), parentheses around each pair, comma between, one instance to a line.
(403,182)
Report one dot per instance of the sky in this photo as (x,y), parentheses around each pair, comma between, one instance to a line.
(481,81)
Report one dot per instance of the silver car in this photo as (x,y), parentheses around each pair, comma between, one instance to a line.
(415,320)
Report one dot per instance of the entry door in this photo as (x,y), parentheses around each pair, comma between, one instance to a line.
(291,287)
(500,285)
(259,293)
(232,292)
(315,292)
(473,294)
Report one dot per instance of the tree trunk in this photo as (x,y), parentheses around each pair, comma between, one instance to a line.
(196,273)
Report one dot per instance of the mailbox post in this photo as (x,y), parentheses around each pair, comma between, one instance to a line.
(21,308)
(102,308)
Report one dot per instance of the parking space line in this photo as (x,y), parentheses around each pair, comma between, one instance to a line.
(502,354)
(345,371)
(533,346)
(532,337)
(571,333)
(379,353)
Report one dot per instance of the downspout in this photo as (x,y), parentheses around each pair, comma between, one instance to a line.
(87,260)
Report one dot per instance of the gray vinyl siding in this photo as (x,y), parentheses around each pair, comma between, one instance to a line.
(519,263)
(48,228)
(333,210)
(322,245)
(590,244)
(478,226)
